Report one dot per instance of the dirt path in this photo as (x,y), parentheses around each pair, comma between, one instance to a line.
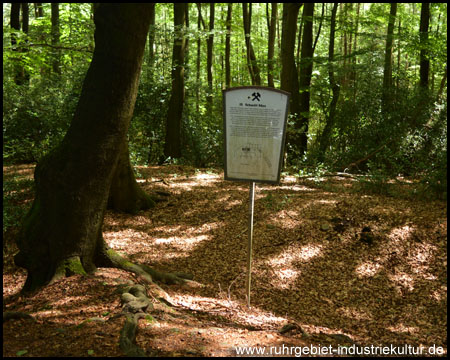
(341,267)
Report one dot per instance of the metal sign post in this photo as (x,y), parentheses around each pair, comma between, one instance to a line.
(254,127)
(251,209)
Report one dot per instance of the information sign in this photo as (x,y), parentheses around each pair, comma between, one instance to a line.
(254,125)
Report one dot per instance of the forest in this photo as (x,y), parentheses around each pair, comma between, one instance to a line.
(121,236)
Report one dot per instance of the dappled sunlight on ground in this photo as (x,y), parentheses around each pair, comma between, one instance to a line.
(310,268)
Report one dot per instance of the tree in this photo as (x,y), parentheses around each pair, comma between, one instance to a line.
(228,47)
(251,58)
(21,76)
(125,193)
(335,88)
(62,233)
(172,145)
(306,66)
(271,25)
(55,38)
(424,53)
(387,74)
(209,56)
(289,77)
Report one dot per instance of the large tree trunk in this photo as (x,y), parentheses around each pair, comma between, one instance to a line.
(172,145)
(125,194)
(62,233)
(289,74)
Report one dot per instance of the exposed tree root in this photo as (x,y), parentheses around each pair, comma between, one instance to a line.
(16,315)
(135,304)
(134,298)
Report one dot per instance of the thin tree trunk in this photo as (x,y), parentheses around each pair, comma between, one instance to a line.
(387,75)
(306,66)
(271,24)
(209,57)
(354,59)
(172,145)
(151,42)
(251,58)
(330,118)
(20,75)
(199,22)
(228,47)
(424,60)
(56,54)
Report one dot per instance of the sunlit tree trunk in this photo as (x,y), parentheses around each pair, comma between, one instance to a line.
(306,66)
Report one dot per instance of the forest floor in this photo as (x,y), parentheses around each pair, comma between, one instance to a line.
(335,264)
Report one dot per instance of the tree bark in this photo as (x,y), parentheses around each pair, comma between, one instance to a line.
(228,47)
(306,66)
(424,60)
(151,42)
(289,75)
(209,57)
(387,75)
(199,42)
(271,24)
(56,54)
(21,77)
(251,58)
(125,193)
(38,10)
(335,88)
(172,146)
(62,233)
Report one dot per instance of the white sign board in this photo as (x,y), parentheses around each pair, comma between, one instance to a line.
(255,126)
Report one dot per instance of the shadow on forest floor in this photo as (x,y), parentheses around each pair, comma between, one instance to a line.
(313,266)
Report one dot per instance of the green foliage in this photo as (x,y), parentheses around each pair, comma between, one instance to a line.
(147,129)
(37,114)
(408,138)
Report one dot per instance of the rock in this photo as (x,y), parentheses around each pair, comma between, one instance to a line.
(366,235)
(325,226)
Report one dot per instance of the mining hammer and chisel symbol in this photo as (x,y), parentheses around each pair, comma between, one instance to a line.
(256,96)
